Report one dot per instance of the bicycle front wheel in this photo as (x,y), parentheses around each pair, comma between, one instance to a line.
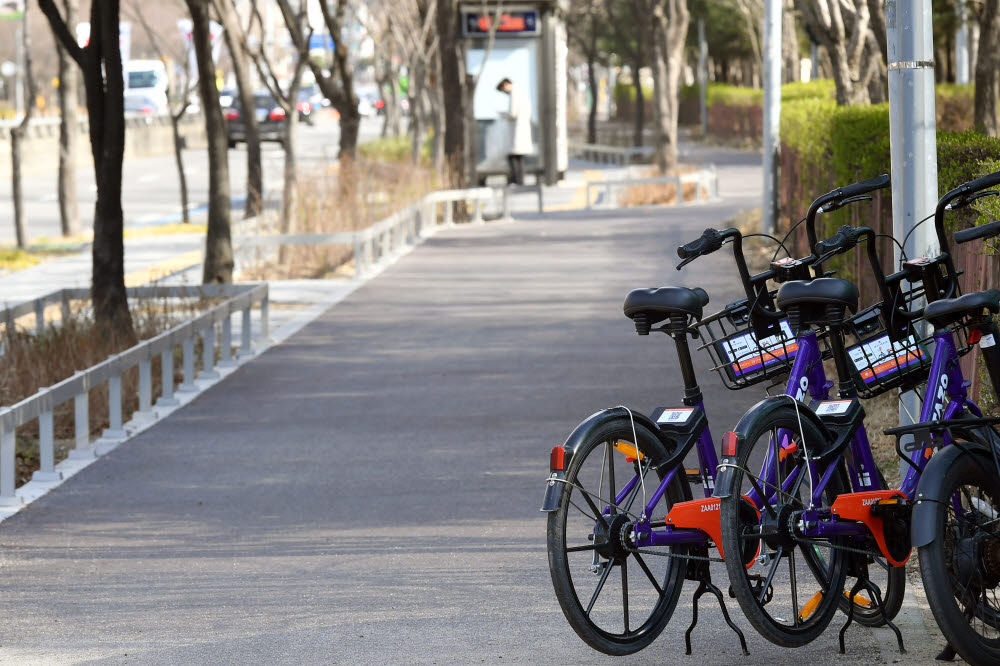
(617,600)
(960,567)
(791,591)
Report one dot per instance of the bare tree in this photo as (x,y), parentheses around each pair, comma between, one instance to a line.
(101,63)
(789,43)
(670,26)
(241,70)
(586,26)
(69,209)
(218,266)
(412,25)
(630,28)
(455,99)
(988,68)
(176,111)
(17,135)
(286,98)
(844,29)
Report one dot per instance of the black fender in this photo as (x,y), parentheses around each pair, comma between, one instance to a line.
(922,522)
(554,487)
(733,442)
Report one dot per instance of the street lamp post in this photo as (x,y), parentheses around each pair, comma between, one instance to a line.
(912,134)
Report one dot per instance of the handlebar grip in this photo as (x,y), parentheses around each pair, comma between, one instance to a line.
(983,183)
(709,242)
(983,231)
(845,238)
(865,186)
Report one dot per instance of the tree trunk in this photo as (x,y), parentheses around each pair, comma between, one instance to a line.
(245,92)
(592,114)
(640,105)
(101,64)
(789,45)
(106,101)
(69,209)
(453,92)
(987,69)
(175,123)
(20,231)
(218,266)
(668,33)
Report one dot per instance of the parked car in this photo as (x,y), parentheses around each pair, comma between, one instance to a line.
(146,87)
(271,120)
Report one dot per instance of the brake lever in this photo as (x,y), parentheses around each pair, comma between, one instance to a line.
(686,262)
(965,200)
(840,203)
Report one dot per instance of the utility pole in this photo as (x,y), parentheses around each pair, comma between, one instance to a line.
(703,76)
(912,135)
(772,112)
(962,43)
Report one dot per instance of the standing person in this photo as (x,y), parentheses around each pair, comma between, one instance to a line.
(519,116)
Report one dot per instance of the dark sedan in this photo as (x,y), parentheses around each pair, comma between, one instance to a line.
(271,119)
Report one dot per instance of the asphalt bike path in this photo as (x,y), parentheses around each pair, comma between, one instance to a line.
(368,491)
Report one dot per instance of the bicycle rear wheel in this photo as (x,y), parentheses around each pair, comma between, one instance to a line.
(617,600)
(792,590)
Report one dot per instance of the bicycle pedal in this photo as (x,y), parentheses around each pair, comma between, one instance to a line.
(693,475)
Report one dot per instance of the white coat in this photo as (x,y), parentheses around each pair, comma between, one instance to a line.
(519,116)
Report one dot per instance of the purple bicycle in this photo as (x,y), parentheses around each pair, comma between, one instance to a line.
(821,492)
(623,530)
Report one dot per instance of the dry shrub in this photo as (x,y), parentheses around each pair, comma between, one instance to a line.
(644,195)
(31,362)
(335,200)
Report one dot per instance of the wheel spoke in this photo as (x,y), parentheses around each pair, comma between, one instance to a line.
(590,503)
(770,575)
(625,592)
(600,586)
(763,497)
(649,574)
(612,495)
(795,592)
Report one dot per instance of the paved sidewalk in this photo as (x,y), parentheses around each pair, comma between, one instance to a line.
(368,491)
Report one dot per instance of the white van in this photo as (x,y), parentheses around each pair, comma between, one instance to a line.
(146,87)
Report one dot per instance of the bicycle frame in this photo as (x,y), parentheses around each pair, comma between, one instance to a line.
(806,378)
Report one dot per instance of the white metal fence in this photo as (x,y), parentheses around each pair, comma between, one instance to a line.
(624,156)
(387,238)
(215,322)
(706,184)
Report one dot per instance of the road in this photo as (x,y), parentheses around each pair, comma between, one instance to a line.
(151,188)
(368,491)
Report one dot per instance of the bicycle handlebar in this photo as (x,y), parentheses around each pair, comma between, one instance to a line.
(983,231)
(837,198)
(709,241)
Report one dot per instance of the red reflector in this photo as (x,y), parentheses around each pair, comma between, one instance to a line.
(277,114)
(557,461)
(729,441)
(232,114)
(975,335)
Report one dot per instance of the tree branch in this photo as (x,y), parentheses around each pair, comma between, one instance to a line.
(61,31)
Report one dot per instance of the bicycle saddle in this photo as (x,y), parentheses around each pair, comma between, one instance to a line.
(817,302)
(949,310)
(658,304)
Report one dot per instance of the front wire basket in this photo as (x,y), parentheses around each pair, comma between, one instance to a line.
(879,364)
(737,355)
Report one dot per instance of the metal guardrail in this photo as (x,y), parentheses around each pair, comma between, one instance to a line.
(48,126)
(387,238)
(706,180)
(610,154)
(239,298)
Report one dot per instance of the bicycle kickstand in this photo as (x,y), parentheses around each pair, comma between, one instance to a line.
(700,572)
(865,584)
